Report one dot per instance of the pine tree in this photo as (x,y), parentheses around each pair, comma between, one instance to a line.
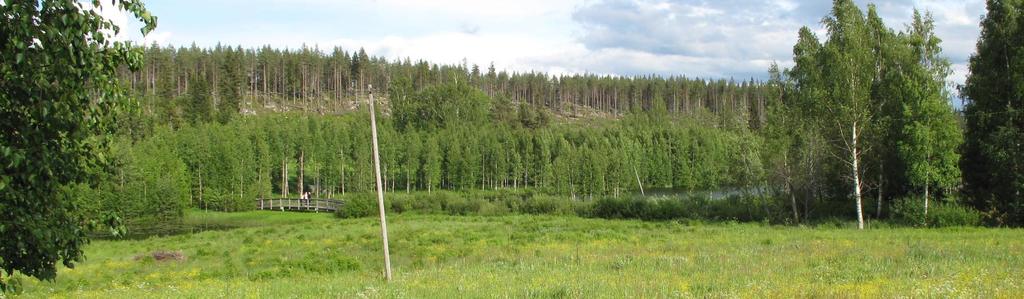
(198,108)
(229,92)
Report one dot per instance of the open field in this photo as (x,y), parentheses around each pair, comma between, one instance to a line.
(274,254)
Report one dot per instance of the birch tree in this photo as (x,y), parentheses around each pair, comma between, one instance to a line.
(848,55)
(931,132)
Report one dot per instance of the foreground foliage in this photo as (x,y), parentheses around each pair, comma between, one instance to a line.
(278,254)
(59,94)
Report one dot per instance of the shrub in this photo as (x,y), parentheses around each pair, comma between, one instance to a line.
(494,209)
(667,208)
(735,208)
(400,203)
(953,214)
(463,206)
(546,204)
(747,208)
(11,284)
(358,205)
(434,202)
(910,211)
(637,208)
(213,199)
(610,208)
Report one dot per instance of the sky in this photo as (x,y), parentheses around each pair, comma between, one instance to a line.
(699,38)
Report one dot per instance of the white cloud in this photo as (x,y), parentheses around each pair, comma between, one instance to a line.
(112,13)
(507,51)
(158,37)
(477,8)
(739,36)
(956,23)
(786,5)
(129,28)
(709,39)
(723,38)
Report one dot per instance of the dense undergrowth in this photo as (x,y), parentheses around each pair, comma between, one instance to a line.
(740,208)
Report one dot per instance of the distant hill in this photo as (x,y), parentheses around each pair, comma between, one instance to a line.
(329,82)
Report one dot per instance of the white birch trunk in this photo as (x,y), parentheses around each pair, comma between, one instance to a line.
(855,158)
(926,181)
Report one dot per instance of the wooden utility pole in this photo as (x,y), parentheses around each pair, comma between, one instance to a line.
(380,190)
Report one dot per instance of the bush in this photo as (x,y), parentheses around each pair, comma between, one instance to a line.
(953,214)
(434,202)
(910,211)
(747,208)
(611,208)
(11,284)
(357,206)
(494,209)
(639,208)
(546,204)
(735,208)
(463,206)
(667,208)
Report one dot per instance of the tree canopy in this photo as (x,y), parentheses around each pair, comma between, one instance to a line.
(879,101)
(61,95)
(993,157)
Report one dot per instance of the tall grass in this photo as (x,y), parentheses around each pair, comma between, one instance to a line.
(286,254)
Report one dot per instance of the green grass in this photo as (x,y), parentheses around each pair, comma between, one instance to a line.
(274,254)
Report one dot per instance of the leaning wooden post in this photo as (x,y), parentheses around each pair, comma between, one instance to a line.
(380,190)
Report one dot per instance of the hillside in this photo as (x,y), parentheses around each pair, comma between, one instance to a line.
(331,81)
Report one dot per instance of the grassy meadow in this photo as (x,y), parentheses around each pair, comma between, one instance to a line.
(280,255)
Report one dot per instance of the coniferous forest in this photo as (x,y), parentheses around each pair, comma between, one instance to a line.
(103,138)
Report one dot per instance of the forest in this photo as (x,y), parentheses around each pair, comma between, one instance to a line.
(263,122)
(318,81)
(861,129)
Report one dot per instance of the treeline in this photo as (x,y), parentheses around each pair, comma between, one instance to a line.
(320,81)
(226,166)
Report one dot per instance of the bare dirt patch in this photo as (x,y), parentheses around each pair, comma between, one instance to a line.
(163,255)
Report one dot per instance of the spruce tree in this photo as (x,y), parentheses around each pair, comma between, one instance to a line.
(993,154)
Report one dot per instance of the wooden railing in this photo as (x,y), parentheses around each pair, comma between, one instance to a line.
(298,204)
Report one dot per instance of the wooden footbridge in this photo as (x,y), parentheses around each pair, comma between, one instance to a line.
(298,204)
